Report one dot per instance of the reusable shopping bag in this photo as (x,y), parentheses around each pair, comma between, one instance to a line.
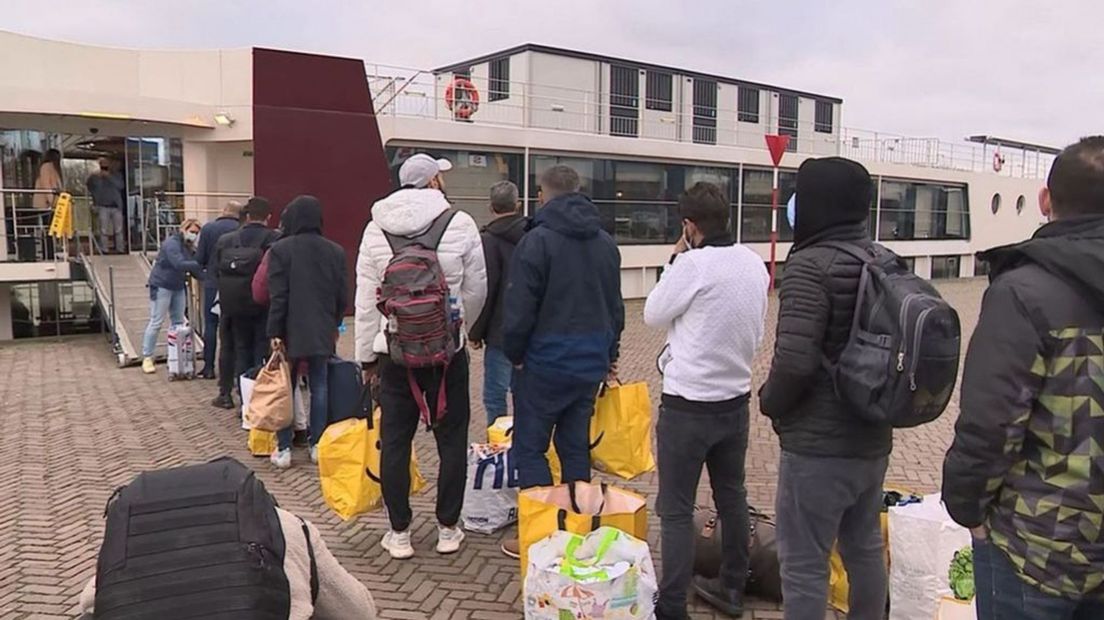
(621,431)
(605,574)
(270,405)
(924,540)
(580,508)
(501,433)
(261,443)
(349,466)
(301,399)
(490,500)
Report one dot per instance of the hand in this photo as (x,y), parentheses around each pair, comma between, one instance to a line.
(370,372)
(681,245)
(475,344)
(980,532)
(611,377)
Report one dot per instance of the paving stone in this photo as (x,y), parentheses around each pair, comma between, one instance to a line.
(75,427)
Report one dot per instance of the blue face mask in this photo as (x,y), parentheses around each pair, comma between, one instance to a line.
(791,210)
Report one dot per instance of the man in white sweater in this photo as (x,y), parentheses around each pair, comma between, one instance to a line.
(712,299)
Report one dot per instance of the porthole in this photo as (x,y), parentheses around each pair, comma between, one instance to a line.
(1021,202)
(995,204)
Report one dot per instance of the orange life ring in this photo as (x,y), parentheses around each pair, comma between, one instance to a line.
(998,162)
(462,98)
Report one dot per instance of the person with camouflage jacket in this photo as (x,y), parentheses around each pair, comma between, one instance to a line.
(1026,470)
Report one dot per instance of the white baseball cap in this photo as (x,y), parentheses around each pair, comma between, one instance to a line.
(419,169)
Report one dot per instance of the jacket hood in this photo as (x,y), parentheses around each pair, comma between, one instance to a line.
(303,215)
(573,215)
(831,191)
(409,212)
(510,228)
(1070,249)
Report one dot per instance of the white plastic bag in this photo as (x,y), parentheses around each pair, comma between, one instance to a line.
(606,574)
(490,500)
(246,387)
(923,539)
(301,398)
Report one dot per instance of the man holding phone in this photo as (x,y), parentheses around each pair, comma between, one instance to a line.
(712,300)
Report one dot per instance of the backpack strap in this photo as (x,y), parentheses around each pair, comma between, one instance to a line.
(430,239)
(313,563)
(850,248)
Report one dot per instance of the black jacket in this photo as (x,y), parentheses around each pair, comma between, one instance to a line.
(500,237)
(1026,458)
(816,305)
(209,237)
(563,310)
(307,284)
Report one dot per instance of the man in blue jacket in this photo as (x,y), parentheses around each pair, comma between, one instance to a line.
(562,328)
(226,222)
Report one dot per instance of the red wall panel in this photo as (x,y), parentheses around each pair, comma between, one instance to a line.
(315,132)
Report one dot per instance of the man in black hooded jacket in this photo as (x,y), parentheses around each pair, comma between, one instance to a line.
(833,462)
(1026,469)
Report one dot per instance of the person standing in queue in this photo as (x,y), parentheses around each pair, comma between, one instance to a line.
(226,223)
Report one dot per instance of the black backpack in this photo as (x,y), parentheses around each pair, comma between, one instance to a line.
(900,363)
(202,541)
(237,264)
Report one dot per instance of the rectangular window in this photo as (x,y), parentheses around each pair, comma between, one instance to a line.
(755,221)
(473,172)
(659,88)
(705,111)
(499,83)
(918,210)
(787,119)
(910,262)
(462,73)
(624,101)
(981,268)
(944,267)
(748,105)
(823,121)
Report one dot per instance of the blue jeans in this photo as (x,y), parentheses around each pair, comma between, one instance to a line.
(162,300)
(541,406)
(497,370)
(210,329)
(319,378)
(1002,595)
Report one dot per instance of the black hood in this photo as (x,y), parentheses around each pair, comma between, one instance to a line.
(1070,249)
(302,215)
(510,228)
(573,215)
(832,193)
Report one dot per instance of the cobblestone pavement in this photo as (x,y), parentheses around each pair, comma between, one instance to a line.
(74,427)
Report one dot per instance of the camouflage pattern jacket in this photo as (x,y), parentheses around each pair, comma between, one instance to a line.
(1028,454)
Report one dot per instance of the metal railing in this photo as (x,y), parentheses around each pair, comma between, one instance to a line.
(167,210)
(405,92)
(25,217)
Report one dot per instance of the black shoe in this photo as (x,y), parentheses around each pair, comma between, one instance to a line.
(207,373)
(725,600)
(223,401)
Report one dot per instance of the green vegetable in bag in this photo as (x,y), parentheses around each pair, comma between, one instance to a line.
(961,574)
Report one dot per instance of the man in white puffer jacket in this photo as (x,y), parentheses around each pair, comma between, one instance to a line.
(410,212)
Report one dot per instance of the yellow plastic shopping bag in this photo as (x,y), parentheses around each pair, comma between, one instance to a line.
(501,433)
(839,589)
(261,443)
(579,508)
(349,467)
(621,431)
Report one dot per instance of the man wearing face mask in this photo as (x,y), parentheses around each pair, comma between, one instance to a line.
(712,300)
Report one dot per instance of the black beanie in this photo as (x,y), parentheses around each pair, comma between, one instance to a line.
(831,191)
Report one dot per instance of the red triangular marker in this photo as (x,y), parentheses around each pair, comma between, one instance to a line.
(777,145)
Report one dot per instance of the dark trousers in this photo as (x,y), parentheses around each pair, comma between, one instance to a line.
(400,420)
(822,500)
(686,441)
(226,377)
(543,406)
(210,329)
(1003,595)
(497,373)
(318,378)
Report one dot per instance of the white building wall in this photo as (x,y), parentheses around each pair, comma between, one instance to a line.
(5,312)
(660,124)
(566,92)
(726,114)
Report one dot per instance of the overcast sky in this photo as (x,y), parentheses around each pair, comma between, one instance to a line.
(1022,69)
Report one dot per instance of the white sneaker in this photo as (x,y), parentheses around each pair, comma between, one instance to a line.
(449,539)
(314,454)
(281,459)
(148,366)
(398,545)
